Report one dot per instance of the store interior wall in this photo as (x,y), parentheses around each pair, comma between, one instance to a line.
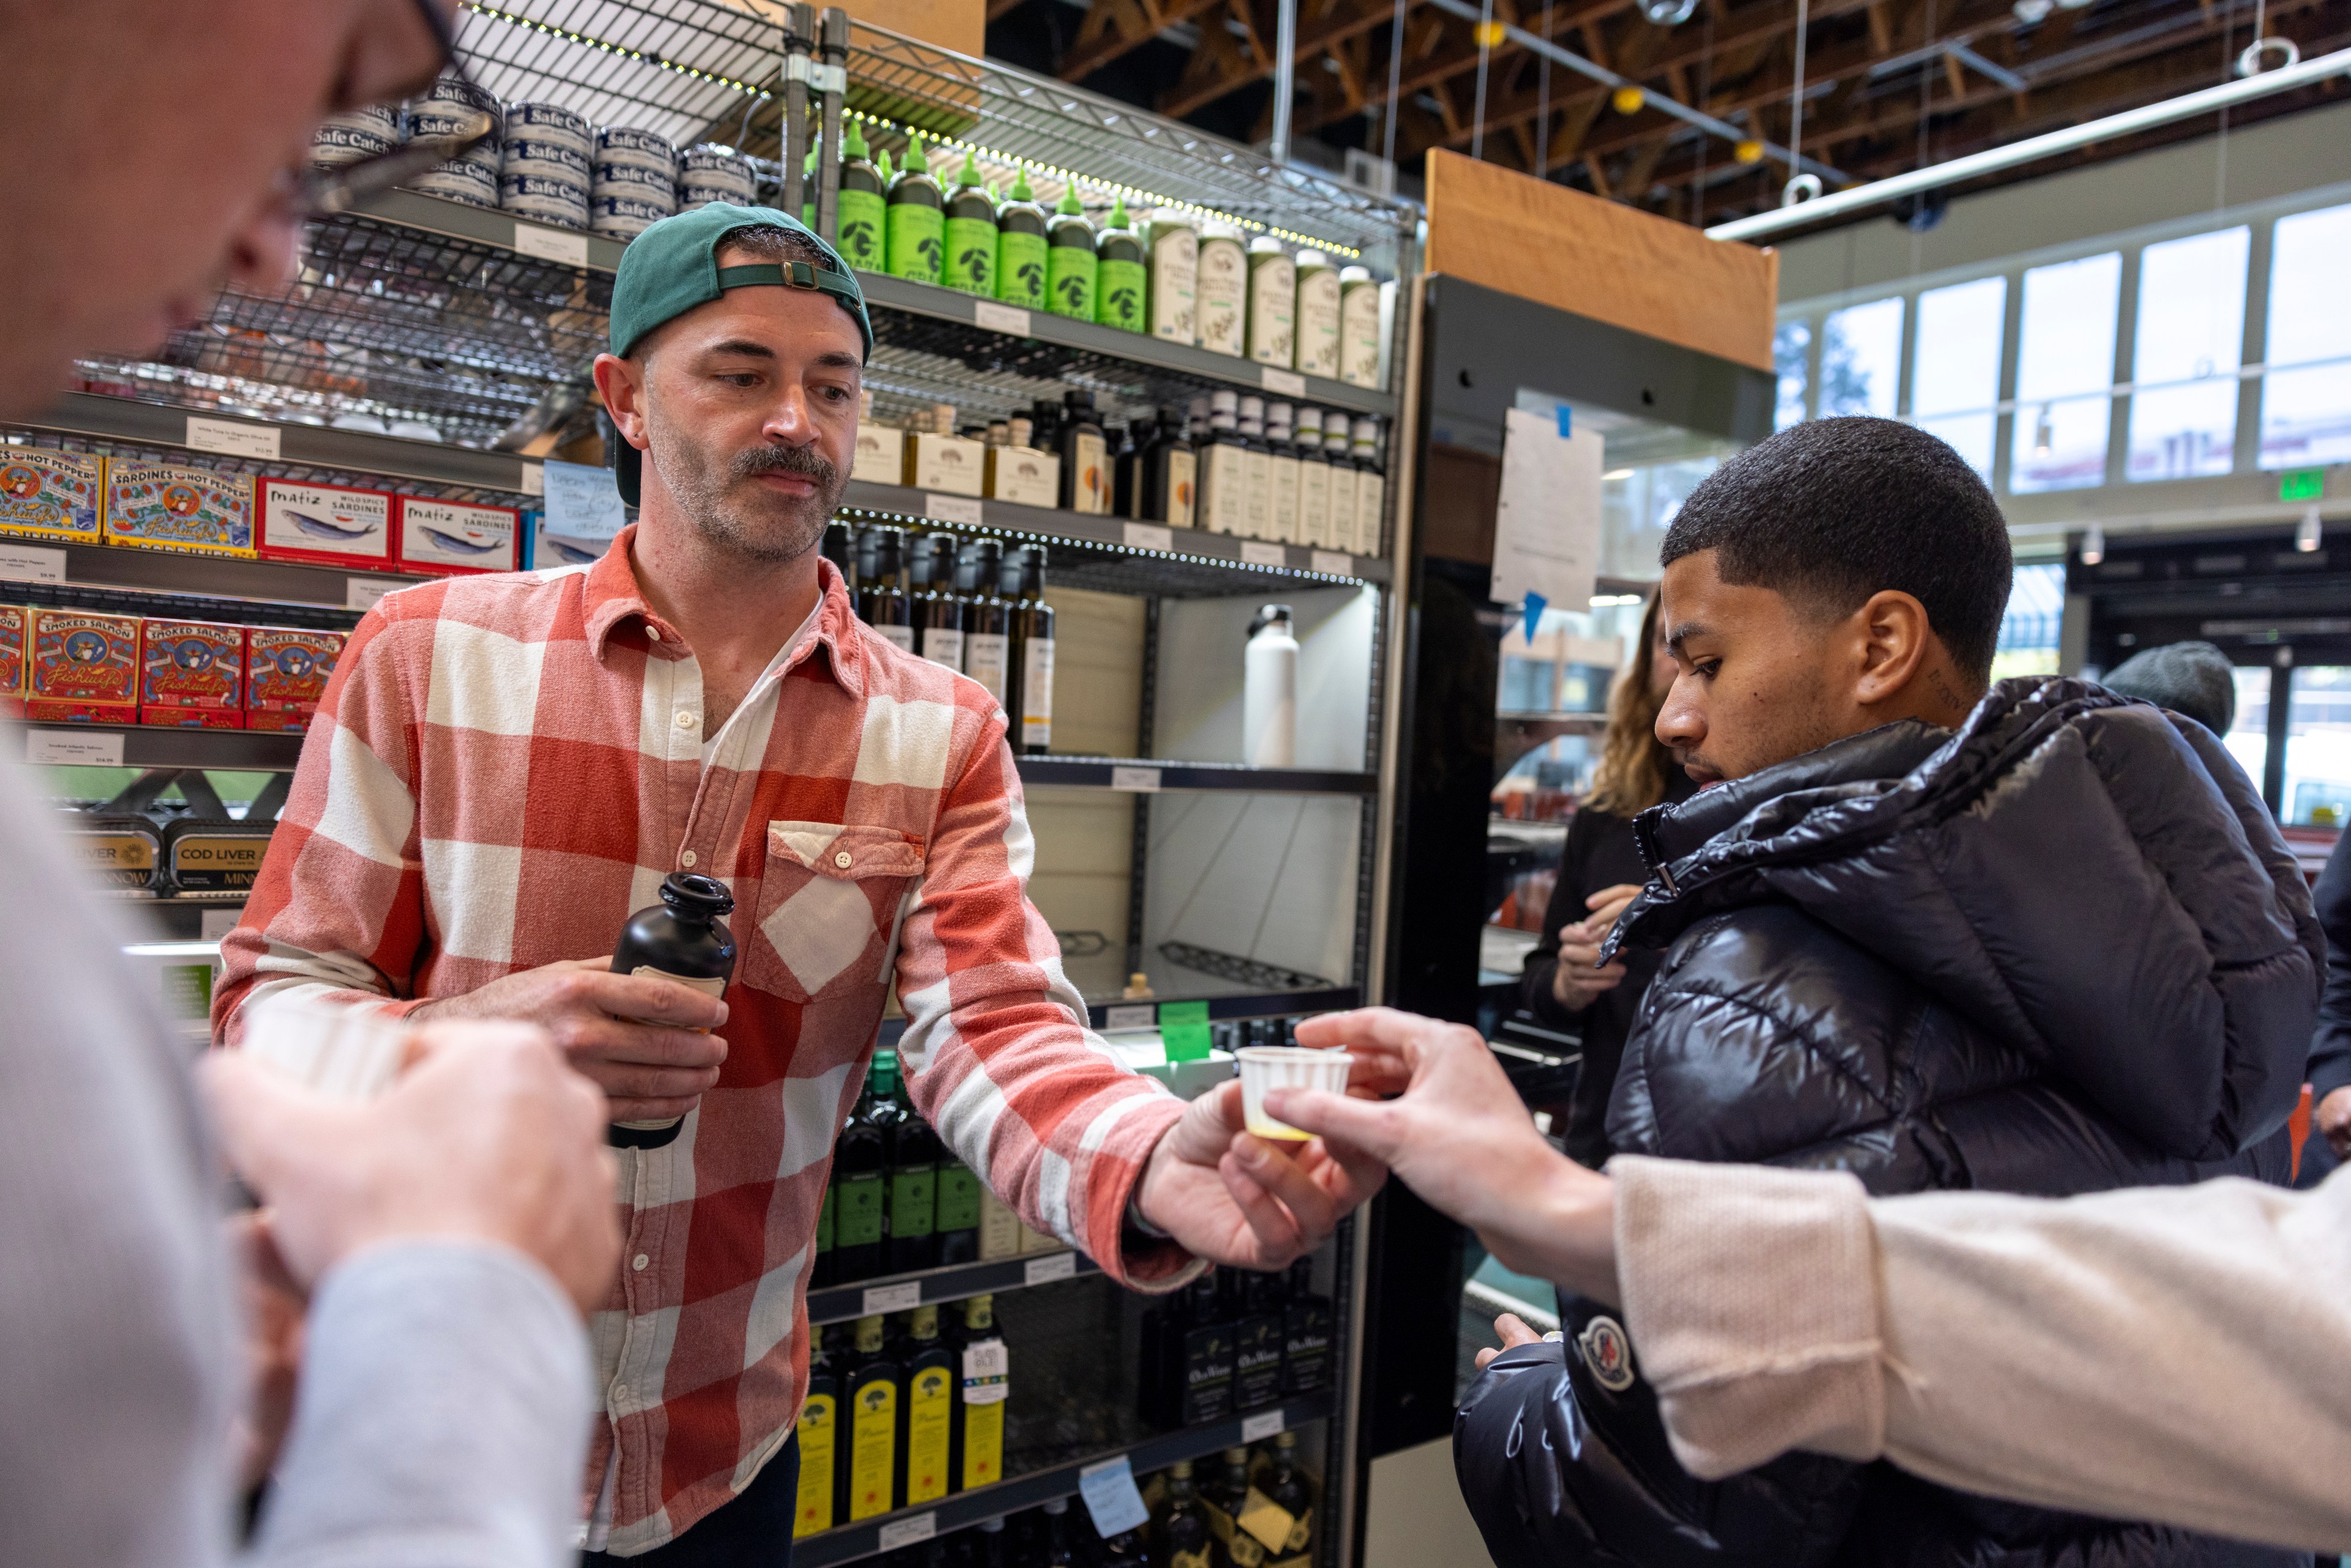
(1085,838)
(1413,1516)
(2263,162)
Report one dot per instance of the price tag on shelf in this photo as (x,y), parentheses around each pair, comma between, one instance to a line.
(1284,384)
(215,924)
(1111,1497)
(1045,1270)
(1265,1424)
(231,438)
(1137,780)
(534,478)
(1144,536)
(1134,1015)
(362,592)
(1184,1029)
(1257,553)
(997,317)
(29,563)
(912,1531)
(1338,563)
(903,1298)
(74,747)
(564,246)
(959,509)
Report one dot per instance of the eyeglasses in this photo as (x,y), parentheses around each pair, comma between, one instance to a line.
(465,115)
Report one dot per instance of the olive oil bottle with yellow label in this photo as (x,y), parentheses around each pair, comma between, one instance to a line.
(819,1425)
(927,1427)
(870,1431)
(983,1384)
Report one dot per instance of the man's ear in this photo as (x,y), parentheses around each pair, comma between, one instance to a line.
(1896,639)
(622,386)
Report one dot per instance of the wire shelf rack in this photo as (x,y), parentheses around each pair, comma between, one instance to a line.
(300,473)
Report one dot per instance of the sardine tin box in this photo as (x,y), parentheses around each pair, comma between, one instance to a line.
(16,629)
(325,524)
(50,495)
(156,506)
(449,539)
(192,673)
(85,668)
(286,671)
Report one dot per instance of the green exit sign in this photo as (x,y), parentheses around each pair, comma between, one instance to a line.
(2301,484)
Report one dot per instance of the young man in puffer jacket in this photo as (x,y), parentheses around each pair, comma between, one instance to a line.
(2030,937)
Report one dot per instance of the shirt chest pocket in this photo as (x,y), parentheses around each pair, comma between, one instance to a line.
(830,901)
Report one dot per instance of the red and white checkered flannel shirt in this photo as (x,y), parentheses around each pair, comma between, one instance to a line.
(505,767)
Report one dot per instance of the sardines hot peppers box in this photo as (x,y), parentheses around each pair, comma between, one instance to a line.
(85,667)
(446,538)
(50,495)
(286,671)
(15,633)
(192,673)
(329,524)
(155,505)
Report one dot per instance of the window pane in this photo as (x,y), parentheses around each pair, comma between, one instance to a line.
(2066,348)
(1861,360)
(2307,414)
(2191,323)
(1955,378)
(1790,347)
(2028,628)
(2247,739)
(2318,747)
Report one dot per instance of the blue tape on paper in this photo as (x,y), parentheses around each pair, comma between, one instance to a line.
(1533,609)
(1566,421)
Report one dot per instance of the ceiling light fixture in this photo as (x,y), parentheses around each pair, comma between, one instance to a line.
(2308,532)
(2094,546)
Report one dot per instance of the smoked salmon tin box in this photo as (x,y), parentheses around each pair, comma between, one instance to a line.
(16,630)
(85,667)
(446,538)
(157,506)
(192,673)
(287,670)
(50,495)
(326,525)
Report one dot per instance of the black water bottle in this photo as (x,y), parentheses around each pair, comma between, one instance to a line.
(681,939)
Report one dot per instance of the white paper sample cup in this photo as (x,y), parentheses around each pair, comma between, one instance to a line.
(1265,1067)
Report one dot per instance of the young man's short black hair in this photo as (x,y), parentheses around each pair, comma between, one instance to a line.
(1833,511)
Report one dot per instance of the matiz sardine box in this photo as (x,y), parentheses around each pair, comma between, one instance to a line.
(85,667)
(192,673)
(330,525)
(450,537)
(155,505)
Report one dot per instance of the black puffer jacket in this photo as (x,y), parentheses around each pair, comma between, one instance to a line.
(2061,951)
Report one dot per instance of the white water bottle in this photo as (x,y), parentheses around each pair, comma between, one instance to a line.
(1270,691)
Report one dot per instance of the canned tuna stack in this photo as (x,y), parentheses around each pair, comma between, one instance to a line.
(713,172)
(632,183)
(343,139)
(544,175)
(452,109)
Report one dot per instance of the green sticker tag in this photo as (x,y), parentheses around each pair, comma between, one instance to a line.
(856,1214)
(1185,1041)
(1183,1012)
(2301,484)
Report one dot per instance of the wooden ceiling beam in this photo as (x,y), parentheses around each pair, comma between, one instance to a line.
(1115,27)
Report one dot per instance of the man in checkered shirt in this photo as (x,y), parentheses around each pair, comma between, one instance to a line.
(506,767)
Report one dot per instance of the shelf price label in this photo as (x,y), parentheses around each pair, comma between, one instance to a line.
(1338,563)
(912,1531)
(1134,1015)
(232,438)
(1135,780)
(1264,1425)
(363,592)
(31,564)
(1255,553)
(904,1298)
(1284,384)
(74,747)
(997,318)
(561,245)
(963,510)
(1045,1270)
(1144,536)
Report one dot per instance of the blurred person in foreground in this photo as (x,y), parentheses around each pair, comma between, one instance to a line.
(425,1258)
(1599,872)
(1934,932)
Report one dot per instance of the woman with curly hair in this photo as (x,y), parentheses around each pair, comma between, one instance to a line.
(1599,871)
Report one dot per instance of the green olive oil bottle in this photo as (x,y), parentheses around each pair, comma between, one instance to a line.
(1020,248)
(1069,264)
(861,203)
(917,220)
(971,233)
(1122,281)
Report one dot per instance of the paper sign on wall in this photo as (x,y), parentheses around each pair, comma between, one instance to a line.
(1547,526)
(584,514)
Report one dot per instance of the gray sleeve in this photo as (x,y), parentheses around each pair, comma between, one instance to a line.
(443,1418)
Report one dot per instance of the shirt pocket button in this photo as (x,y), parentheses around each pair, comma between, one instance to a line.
(841,860)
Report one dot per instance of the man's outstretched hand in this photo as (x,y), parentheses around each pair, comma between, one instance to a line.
(1235,1199)
(1460,1136)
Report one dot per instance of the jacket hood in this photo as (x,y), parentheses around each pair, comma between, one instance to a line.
(2084,876)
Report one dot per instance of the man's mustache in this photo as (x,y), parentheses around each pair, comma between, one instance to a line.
(805,461)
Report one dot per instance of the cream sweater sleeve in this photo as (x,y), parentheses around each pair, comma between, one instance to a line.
(2172,1353)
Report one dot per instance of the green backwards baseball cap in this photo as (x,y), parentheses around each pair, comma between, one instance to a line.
(673,266)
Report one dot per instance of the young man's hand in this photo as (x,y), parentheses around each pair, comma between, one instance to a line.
(1460,1137)
(639,1040)
(1241,1201)
(489,1138)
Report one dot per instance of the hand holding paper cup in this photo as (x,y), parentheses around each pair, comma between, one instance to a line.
(1269,1067)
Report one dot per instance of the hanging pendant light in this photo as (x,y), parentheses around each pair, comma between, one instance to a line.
(2044,433)
(2308,532)
(2094,546)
